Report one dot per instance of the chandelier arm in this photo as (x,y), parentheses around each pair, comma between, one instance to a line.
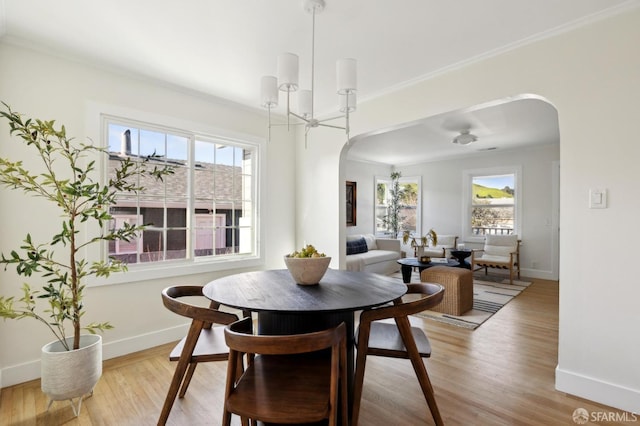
(331,118)
(285,124)
(332,126)
(306,132)
(299,117)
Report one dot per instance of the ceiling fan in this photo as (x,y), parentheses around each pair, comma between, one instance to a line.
(465,138)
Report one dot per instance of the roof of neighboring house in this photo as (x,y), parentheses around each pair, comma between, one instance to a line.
(214,183)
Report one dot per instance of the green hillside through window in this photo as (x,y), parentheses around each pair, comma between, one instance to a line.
(480,191)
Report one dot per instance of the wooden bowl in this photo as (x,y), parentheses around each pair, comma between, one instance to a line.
(307,270)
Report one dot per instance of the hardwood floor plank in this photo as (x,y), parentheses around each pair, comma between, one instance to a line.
(502,373)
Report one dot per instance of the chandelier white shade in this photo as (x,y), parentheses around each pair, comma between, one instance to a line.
(305,103)
(287,81)
(346,76)
(288,72)
(269,91)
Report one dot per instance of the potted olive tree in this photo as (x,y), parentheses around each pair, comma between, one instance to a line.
(72,364)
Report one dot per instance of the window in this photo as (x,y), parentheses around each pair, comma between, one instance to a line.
(492,202)
(204,211)
(409,205)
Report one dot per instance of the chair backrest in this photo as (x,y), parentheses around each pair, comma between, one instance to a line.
(501,245)
(433,294)
(239,338)
(447,241)
(171,300)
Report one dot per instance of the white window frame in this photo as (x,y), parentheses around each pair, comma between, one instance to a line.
(146,271)
(403,179)
(467,181)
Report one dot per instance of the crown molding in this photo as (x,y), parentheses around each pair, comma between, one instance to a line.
(625,7)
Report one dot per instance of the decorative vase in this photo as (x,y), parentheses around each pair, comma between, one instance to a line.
(66,375)
(307,270)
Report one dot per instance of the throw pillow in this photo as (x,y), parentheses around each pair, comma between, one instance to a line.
(357,246)
(371,242)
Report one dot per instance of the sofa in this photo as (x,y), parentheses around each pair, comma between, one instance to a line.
(366,253)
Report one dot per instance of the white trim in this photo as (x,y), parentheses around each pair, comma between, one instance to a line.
(555,219)
(467,175)
(403,179)
(93,119)
(590,388)
(30,370)
(561,29)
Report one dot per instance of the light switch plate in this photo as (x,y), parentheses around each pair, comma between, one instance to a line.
(597,198)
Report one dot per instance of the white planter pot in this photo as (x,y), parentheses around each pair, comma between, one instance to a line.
(71,374)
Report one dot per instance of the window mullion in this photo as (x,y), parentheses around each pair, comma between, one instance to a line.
(191,205)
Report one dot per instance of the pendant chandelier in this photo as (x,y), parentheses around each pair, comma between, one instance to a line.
(287,81)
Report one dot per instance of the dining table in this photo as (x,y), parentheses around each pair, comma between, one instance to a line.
(284,307)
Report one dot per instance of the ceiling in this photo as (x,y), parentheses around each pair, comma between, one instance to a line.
(221,48)
(505,124)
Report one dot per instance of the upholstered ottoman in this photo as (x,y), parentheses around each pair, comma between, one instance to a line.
(458,288)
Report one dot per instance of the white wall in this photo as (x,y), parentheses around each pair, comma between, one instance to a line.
(591,76)
(42,86)
(364,174)
(442,200)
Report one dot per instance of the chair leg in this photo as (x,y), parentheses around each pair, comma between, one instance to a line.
(173,391)
(181,368)
(418,366)
(358,381)
(232,369)
(187,379)
(344,391)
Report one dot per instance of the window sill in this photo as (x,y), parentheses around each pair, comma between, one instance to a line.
(174,269)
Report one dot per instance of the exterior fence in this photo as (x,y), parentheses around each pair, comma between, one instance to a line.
(483,230)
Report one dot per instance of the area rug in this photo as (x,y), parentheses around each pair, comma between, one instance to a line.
(490,294)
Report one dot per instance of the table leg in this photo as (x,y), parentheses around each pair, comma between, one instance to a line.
(406,273)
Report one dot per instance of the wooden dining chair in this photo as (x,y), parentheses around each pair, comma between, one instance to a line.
(286,380)
(203,342)
(398,340)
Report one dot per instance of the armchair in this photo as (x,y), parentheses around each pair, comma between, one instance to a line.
(500,251)
(446,243)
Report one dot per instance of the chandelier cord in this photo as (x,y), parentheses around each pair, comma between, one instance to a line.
(313,57)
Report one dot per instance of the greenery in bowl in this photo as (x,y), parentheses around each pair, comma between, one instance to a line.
(307,251)
(307,266)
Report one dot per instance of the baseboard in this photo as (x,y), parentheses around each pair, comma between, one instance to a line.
(20,373)
(539,274)
(524,273)
(609,394)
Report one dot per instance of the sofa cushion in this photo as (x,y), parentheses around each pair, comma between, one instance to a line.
(357,246)
(376,256)
(369,238)
(371,241)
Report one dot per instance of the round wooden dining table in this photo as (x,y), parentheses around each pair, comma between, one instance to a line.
(284,307)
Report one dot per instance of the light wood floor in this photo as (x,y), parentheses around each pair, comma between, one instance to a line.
(499,374)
